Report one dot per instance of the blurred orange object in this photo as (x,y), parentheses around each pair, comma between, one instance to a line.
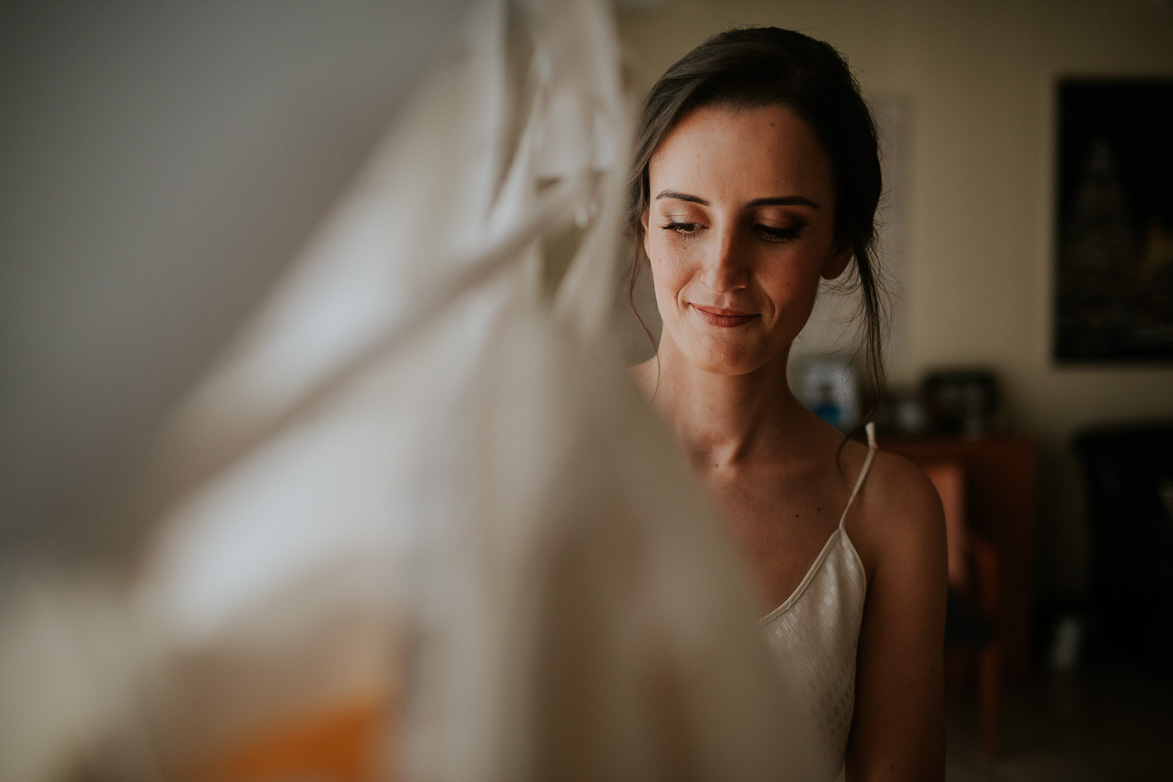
(974,580)
(354,742)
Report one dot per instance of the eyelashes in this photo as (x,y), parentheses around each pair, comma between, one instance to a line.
(769,233)
(684,229)
(775,234)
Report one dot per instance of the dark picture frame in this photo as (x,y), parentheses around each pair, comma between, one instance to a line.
(1114,248)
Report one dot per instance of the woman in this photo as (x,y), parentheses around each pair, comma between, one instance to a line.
(756,176)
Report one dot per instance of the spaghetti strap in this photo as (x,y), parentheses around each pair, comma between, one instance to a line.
(863,473)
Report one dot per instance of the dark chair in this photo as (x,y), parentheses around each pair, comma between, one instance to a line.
(1128,481)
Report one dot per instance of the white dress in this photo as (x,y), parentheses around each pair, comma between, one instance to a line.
(813,637)
(421,479)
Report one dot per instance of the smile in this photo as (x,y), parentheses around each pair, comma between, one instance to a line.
(722,318)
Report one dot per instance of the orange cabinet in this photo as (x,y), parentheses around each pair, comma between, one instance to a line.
(1000,479)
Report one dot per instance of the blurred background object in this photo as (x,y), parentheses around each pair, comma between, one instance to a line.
(1129,470)
(962,402)
(829,386)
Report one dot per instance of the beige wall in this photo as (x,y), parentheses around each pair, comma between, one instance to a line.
(976,80)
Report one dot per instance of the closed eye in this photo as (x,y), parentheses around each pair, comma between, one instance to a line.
(684,229)
(772,233)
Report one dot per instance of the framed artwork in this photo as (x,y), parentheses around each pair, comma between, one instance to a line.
(1114,248)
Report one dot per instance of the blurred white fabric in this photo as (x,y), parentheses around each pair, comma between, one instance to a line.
(161,165)
(420,477)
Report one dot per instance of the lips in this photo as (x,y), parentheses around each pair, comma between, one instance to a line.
(723,318)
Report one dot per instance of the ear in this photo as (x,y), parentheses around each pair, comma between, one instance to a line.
(643,218)
(838,259)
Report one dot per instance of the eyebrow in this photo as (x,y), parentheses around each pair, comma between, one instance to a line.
(773,201)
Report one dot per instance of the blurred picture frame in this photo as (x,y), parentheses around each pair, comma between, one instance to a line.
(828,385)
(1113,291)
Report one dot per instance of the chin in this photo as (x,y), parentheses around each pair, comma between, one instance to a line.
(724,362)
(736,353)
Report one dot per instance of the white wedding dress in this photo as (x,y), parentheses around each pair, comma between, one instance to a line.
(421,478)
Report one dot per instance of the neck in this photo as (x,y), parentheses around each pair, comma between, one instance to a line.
(724,421)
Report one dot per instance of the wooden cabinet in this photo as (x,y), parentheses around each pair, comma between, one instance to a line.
(1000,478)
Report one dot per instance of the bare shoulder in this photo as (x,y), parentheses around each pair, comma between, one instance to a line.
(899,514)
(901,488)
(897,728)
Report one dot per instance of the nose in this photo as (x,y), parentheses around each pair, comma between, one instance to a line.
(725,263)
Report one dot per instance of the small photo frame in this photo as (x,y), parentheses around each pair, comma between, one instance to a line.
(828,385)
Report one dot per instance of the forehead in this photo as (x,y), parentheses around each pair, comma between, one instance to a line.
(722,151)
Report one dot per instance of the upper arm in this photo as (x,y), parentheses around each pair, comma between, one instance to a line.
(898,728)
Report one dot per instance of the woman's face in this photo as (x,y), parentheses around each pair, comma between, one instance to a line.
(739,230)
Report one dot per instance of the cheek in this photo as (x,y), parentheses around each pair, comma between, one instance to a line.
(668,264)
(796,280)
(799,277)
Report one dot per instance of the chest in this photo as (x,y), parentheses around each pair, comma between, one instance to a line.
(780,522)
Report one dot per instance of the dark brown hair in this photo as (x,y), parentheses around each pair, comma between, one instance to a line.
(763,66)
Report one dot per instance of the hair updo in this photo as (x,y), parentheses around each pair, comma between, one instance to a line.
(765,66)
